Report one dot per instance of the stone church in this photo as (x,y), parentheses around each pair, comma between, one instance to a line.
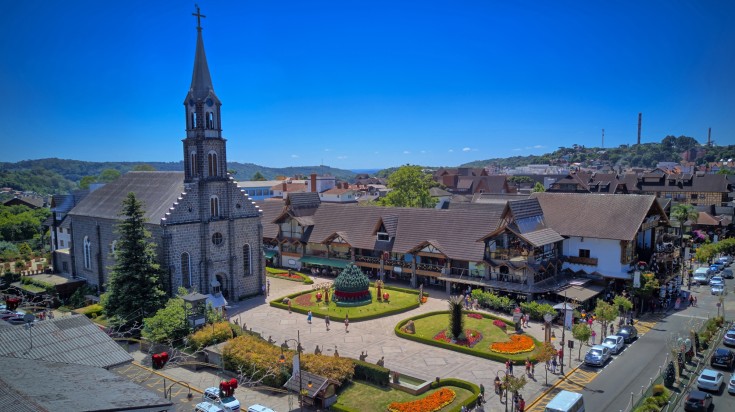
(208,233)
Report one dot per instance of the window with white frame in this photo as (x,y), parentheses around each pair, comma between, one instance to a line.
(87,253)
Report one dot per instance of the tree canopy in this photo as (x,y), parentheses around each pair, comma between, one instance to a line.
(410,188)
(134,289)
(258,177)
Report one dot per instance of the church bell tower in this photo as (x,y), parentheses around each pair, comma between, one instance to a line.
(204,148)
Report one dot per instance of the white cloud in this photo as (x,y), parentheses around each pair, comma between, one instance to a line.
(517,149)
(327,150)
(341,157)
(406,152)
(294,156)
(466,149)
(538,146)
(423,151)
(451,150)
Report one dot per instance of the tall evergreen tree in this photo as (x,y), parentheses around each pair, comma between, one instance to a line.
(456,317)
(134,290)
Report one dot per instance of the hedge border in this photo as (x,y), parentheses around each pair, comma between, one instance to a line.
(459,383)
(494,357)
(276,303)
(271,272)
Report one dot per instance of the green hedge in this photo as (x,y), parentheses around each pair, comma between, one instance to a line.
(372,373)
(470,403)
(492,356)
(91,311)
(400,289)
(278,303)
(48,287)
(305,279)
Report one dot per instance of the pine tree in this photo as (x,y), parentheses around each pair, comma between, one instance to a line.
(456,317)
(670,375)
(134,290)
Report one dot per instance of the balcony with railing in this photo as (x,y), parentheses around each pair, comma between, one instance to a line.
(514,254)
(589,261)
(398,262)
(367,259)
(427,267)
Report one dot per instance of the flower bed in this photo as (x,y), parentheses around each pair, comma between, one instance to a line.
(471,338)
(474,315)
(499,323)
(430,403)
(517,344)
(286,275)
(304,300)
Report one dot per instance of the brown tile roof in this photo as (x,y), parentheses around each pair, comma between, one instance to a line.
(602,216)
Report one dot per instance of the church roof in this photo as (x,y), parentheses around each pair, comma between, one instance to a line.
(157,190)
(201,81)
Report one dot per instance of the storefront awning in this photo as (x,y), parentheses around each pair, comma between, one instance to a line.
(269,253)
(314,260)
(580,293)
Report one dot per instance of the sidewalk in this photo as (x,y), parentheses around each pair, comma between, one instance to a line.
(378,339)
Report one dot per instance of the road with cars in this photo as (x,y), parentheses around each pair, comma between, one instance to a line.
(632,370)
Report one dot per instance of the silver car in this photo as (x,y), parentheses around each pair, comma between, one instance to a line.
(729,338)
(615,343)
(710,380)
(597,355)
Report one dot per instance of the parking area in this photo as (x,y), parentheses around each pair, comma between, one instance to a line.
(181,394)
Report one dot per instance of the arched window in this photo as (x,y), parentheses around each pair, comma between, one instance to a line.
(87,253)
(193,163)
(185,270)
(212,163)
(210,120)
(193,120)
(214,206)
(246,259)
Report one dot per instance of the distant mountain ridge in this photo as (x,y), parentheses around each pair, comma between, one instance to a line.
(53,175)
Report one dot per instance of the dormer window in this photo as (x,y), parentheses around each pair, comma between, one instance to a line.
(383,237)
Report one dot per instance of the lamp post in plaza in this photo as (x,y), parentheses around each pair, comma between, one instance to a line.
(282,360)
(547,327)
(503,386)
(563,329)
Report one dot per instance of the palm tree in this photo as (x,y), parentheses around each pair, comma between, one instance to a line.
(456,318)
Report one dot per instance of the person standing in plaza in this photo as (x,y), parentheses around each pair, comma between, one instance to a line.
(510,364)
(268,288)
(507,367)
(553,365)
(326,321)
(347,323)
(308,317)
(593,335)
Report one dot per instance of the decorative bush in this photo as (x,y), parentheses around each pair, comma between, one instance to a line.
(429,403)
(254,357)
(670,374)
(338,369)
(474,315)
(91,311)
(658,389)
(211,334)
(292,275)
(493,301)
(499,323)
(537,310)
(370,372)
(517,344)
(471,337)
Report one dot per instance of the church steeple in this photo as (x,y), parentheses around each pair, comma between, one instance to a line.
(204,147)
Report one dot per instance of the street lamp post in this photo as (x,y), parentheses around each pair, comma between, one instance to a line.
(563,329)
(547,327)
(504,382)
(282,360)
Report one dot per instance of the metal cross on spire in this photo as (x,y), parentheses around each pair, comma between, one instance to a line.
(199,17)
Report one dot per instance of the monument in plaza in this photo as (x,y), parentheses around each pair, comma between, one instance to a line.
(352,287)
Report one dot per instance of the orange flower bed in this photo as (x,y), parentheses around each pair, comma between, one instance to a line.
(516,344)
(431,403)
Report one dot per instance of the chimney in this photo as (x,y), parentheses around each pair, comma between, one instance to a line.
(285,187)
(640,115)
(709,136)
(313,182)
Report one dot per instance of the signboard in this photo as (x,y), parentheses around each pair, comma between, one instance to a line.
(570,344)
(637,279)
(568,318)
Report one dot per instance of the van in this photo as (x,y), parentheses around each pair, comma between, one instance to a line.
(566,401)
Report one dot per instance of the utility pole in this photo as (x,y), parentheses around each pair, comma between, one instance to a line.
(603,138)
(640,118)
(563,329)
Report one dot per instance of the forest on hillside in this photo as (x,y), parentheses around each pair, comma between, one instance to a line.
(59,176)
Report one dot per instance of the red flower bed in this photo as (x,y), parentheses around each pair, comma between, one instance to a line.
(304,300)
(474,315)
(431,403)
(499,323)
(472,336)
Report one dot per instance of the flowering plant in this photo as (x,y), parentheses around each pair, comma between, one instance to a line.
(516,344)
(471,338)
(499,323)
(431,403)
(474,315)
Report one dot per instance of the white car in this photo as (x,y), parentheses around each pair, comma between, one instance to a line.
(615,343)
(710,380)
(731,385)
(716,280)
(703,271)
(212,395)
(729,338)
(718,290)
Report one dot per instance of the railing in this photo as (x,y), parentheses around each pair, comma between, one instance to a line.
(461,272)
(367,259)
(343,256)
(507,254)
(429,267)
(582,260)
(401,263)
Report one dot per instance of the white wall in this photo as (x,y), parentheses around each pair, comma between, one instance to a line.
(606,251)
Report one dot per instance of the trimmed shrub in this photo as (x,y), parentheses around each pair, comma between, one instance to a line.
(370,372)
(211,334)
(91,311)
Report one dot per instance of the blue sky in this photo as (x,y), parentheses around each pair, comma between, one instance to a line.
(364,84)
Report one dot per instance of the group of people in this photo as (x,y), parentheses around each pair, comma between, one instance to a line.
(500,390)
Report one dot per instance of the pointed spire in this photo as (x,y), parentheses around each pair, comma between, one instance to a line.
(201,81)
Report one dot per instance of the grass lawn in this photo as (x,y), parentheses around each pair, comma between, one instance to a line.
(355,394)
(399,302)
(430,326)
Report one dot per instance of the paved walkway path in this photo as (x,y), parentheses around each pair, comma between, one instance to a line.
(378,339)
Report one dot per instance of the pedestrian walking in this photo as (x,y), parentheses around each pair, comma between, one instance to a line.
(268,288)
(528,319)
(528,367)
(521,404)
(347,323)
(561,355)
(326,321)
(511,367)
(695,301)
(482,394)
(594,335)
(308,317)
(507,366)
(612,329)
(691,300)
(497,385)
(533,369)
(289,306)
(263,290)
(553,365)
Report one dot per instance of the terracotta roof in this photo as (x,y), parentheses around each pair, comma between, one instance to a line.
(602,216)
(337,191)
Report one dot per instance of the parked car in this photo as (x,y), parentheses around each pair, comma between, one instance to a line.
(615,343)
(698,401)
(727,274)
(597,355)
(212,395)
(628,332)
(716,280)
(259,408)
(710,380)
(726,260)
(703,271)
(718,290)
(729,338)
(700,279)
(731,385)
(723,357)
(715,268)
(208,407)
